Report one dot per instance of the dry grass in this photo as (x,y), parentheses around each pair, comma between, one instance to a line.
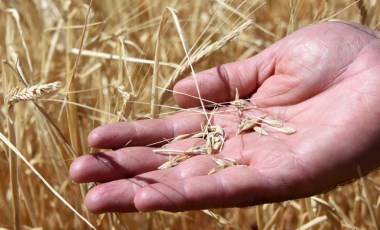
(105,66)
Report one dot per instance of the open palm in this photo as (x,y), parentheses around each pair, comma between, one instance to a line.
(322,80)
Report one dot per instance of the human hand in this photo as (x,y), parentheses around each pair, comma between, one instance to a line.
(322,80)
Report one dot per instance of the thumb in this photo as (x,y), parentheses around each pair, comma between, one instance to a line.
(219,84)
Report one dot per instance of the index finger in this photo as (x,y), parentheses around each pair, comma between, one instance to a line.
(219,84)
(145,132)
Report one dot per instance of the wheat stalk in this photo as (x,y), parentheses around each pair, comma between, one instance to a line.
(34,170)
(90,53)
(202,54)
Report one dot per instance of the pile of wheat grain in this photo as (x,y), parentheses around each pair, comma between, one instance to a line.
(44,123)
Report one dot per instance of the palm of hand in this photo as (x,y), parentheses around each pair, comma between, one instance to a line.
(320,80)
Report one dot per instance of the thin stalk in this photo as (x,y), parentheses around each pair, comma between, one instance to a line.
(17,153)
(154,109)
(13,165)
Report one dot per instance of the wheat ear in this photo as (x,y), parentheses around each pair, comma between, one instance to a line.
(32,93)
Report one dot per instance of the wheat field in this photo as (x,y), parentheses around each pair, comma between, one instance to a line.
(69,66)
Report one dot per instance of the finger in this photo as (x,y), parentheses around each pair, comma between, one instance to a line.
(145,132)
(219,190)
(232,187)
(114,196)
(118,195)
(219,84)
(131,161)
(158,131)
(123,163)
(271,175)
(109,197)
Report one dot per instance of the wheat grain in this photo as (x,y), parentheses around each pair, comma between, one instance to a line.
(175,161)
(260,130)
(222,164)
(247,124)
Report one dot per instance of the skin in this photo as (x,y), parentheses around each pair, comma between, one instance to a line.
(322,80)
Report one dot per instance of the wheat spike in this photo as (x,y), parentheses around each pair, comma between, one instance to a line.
(32,92)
